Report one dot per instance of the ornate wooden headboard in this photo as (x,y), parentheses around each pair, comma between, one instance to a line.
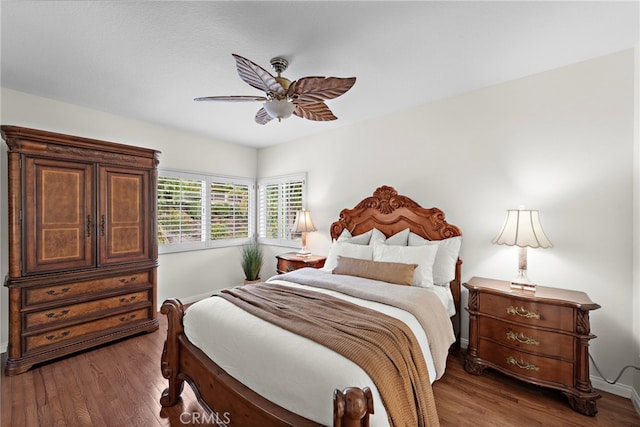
(390,213)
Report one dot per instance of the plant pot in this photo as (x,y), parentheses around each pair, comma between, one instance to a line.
(251,282)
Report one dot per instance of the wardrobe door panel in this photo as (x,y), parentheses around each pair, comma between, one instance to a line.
(59,228)
(124,215)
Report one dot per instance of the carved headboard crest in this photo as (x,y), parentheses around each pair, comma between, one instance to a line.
(386,199)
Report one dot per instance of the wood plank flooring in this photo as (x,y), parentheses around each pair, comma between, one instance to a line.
(120,385)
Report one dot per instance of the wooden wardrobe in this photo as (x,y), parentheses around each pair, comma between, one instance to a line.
(82,244)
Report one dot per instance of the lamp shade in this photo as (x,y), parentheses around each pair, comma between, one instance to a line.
(279,108)
(522,228)
(303,222)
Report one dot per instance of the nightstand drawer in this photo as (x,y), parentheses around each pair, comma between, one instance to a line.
(291,261)
(527,365)
(527,312)
(544,343)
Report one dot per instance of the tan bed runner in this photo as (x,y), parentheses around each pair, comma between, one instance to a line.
(383,346)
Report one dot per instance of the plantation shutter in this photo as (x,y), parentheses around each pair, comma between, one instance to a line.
(279,199)
(199,211)
(180,210)
(229,210)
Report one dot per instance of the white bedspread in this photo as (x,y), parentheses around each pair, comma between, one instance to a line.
(291,371)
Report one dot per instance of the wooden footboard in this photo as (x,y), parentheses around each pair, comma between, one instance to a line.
(229,400)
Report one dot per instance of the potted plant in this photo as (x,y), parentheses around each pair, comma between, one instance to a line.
(252,259)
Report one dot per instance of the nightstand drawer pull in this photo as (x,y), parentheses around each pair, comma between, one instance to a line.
(522,338)
(520,363)
(519,311)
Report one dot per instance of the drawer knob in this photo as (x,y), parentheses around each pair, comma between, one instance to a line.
(53,314)
(522,312)
(522,338)
(62,291)
(125,280)
(57,337)
(130,299)
(522,364)
(127,318)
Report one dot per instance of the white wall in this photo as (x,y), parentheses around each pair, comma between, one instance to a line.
(560,142)
(184,275)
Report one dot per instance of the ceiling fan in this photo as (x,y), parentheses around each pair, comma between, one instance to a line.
(304,97)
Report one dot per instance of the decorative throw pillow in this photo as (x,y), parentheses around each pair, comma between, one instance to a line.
(421,255)
(400,238)
(392,272)
(444,266)
(346,249)
(360,239)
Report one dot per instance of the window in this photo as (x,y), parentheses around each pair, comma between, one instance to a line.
(197,211)
(278,201)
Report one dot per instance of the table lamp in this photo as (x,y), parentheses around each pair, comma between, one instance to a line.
(522,228)
(303,225)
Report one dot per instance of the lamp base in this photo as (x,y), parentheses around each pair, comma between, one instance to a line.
(303,253)
(522,282)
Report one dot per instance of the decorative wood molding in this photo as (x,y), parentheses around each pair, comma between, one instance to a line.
(390,213)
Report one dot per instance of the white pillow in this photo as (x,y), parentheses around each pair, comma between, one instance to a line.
(400,238)
(444,267)
(422,255)
(377,237)
(346,249)
(360,239)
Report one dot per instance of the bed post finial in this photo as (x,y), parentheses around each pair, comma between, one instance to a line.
(352,406)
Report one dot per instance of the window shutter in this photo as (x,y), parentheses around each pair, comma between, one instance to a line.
(180,210)
(229,210)
(197,211)
(279,199)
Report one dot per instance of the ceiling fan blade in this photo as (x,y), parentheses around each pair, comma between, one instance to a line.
(262,117)
(256,76)
(317,111)
(309,90)
(240,98)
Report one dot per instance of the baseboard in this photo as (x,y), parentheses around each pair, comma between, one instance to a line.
(617,389)
(635,398)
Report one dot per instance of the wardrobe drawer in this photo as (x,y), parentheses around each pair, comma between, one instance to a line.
(527,312)
(59,336)
(44,294)
(76,311)
(520,337)
(527,365)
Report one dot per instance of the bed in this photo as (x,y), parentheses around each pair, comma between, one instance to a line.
(299,382)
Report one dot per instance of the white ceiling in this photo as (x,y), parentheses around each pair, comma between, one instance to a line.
(148,60)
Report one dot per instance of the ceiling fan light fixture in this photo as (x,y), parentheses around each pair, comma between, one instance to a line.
(279,108)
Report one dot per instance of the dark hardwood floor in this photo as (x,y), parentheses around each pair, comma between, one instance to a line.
(120,385)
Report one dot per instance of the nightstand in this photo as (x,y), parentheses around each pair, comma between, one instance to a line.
(540,337)
(290,261)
